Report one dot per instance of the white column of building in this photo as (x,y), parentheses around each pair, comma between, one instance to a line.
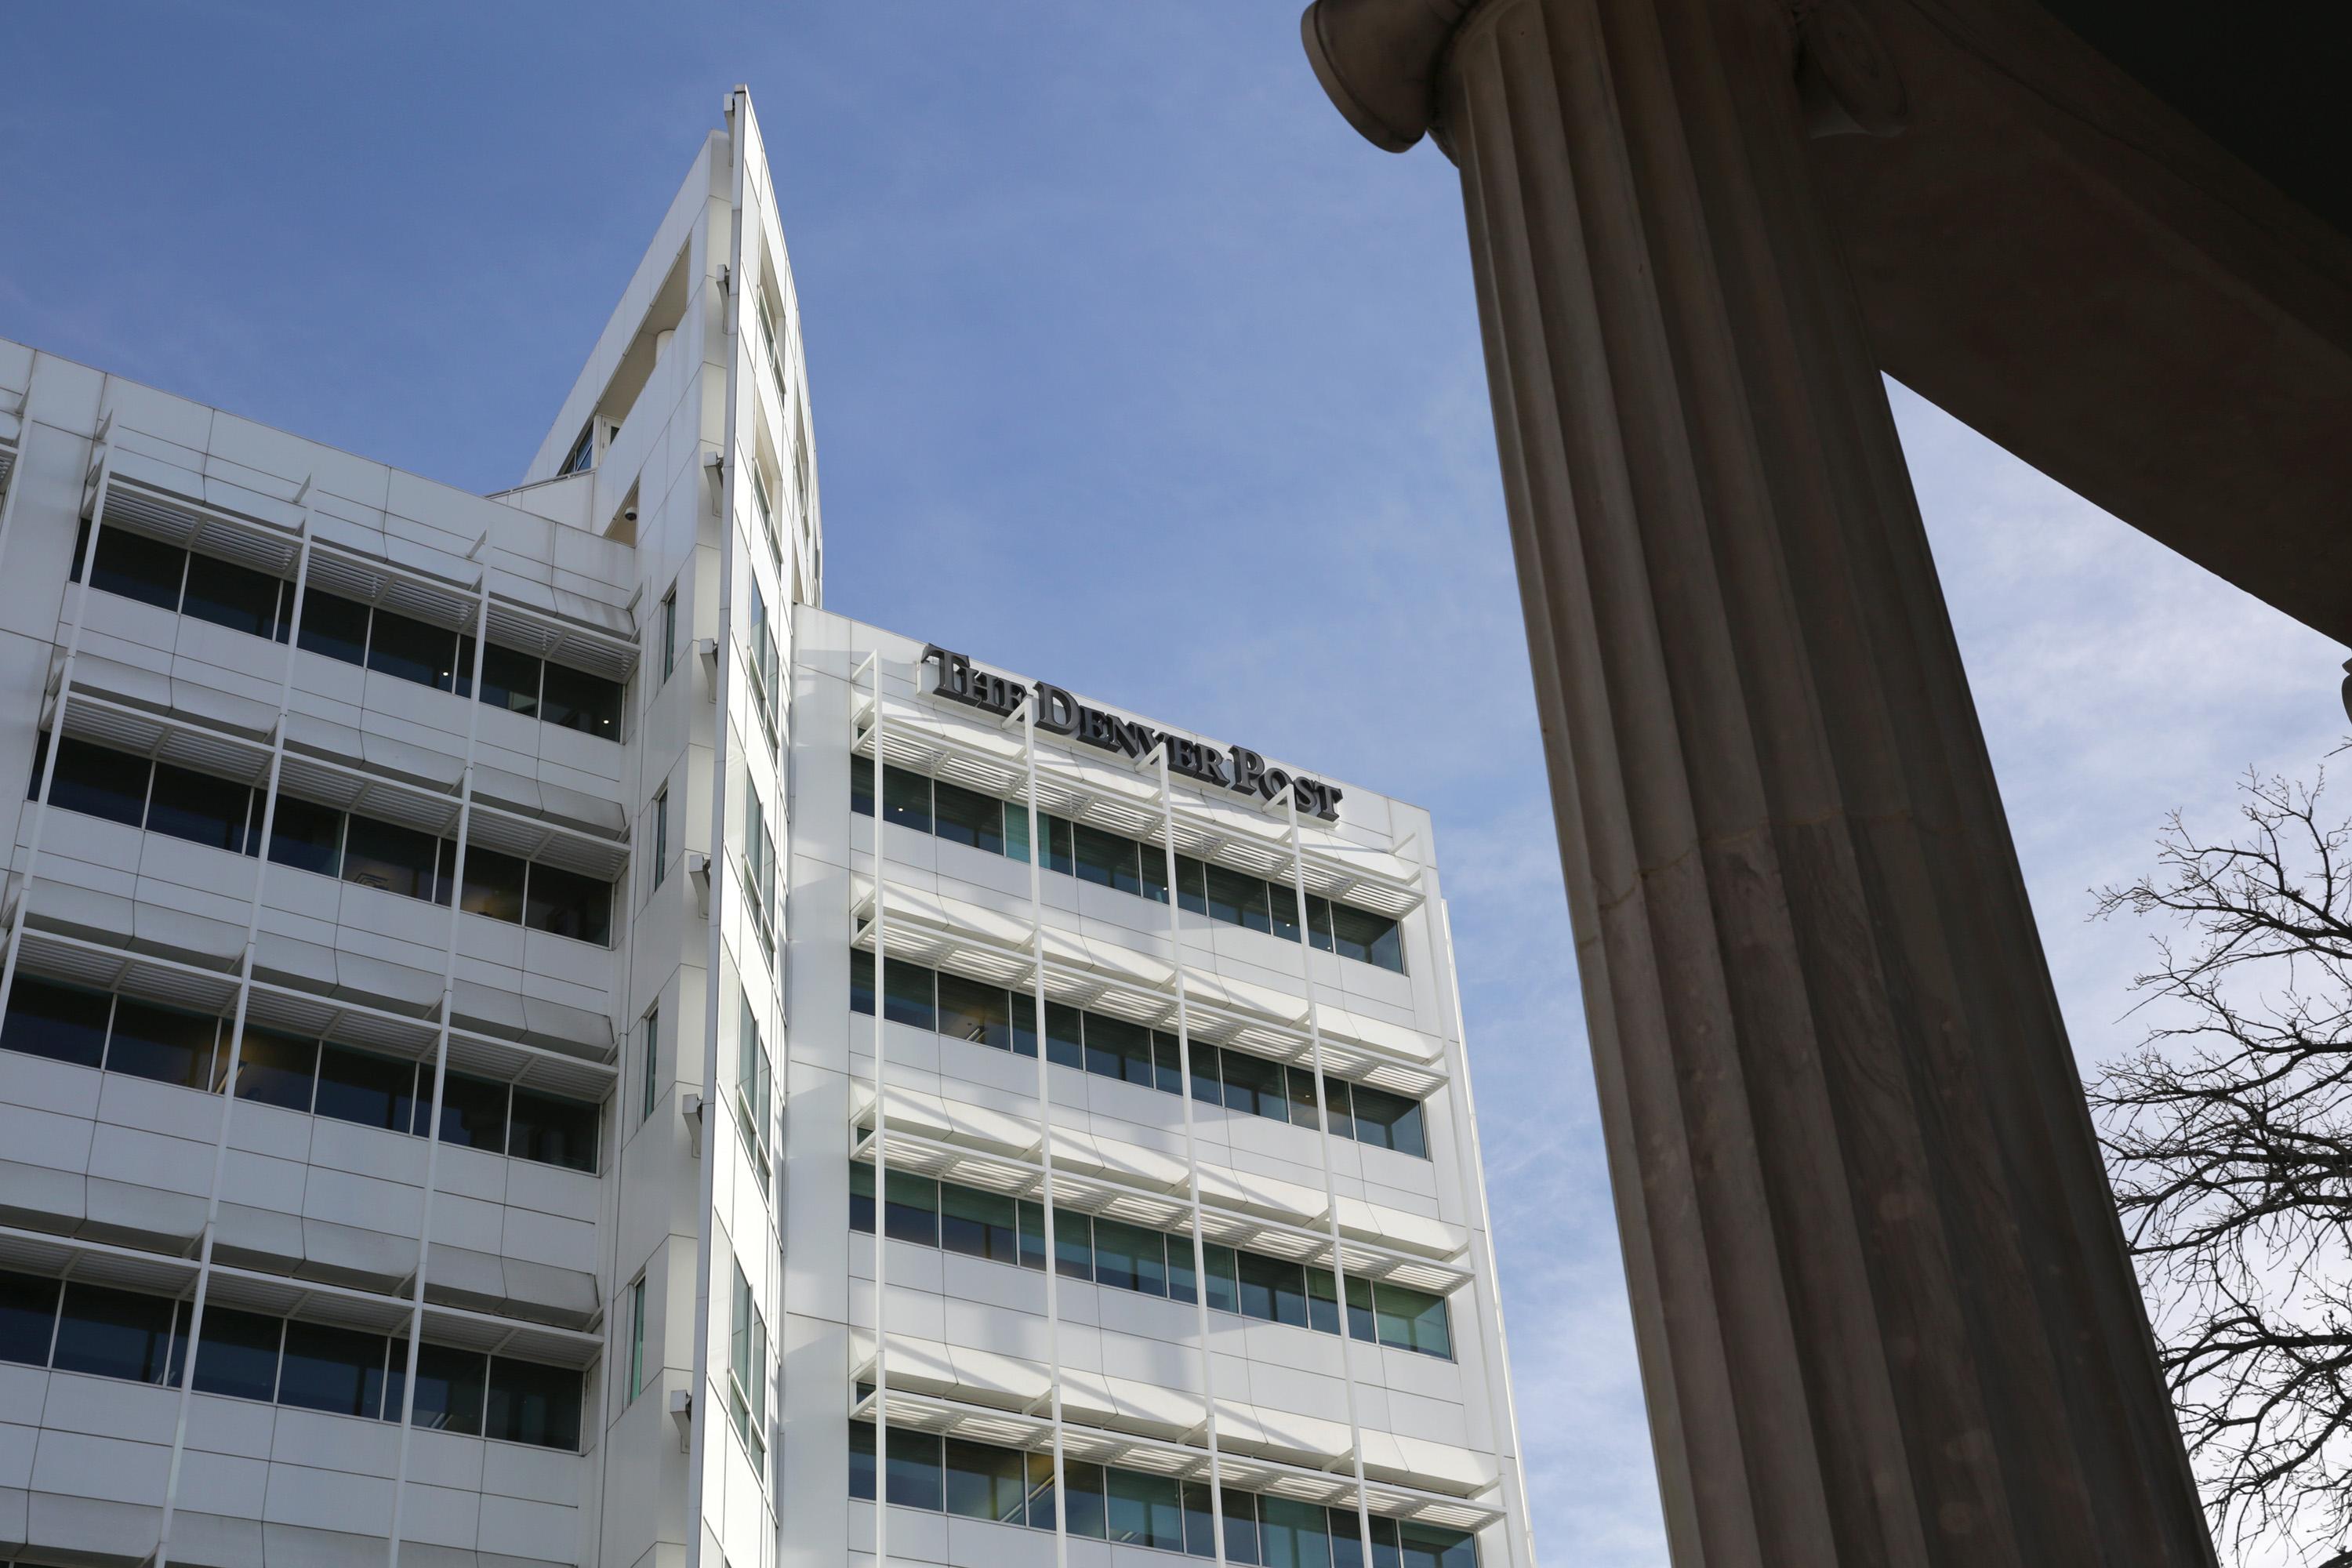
(57,724)
(235,1044)
(1193,1169)
(1038,850)
(440,1059)
(881,1145)
(1323,1148)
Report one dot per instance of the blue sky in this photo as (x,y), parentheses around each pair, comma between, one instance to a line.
(1132,367)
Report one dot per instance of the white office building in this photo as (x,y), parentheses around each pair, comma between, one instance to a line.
(447,940)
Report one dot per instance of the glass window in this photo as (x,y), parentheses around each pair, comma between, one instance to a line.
(1322,1302)
(567,904)
(553,1131)
(1293,1534)
(1240,1527)
(1085,1515)
(1254,1085)
(861,785)
(239,1354)
(1074,1245)
(234,597)
(861,982)
(413,650)
(1146,1510)
(1033,1235)
(1181,1282)
(1061,849)
(28,1315)
(754,1110)
(1130,1258)
(95,782)
(915,1480)
(637,1338)
(449,1387)
(1415,1321)
(861,1198)
(1361,1321)
(669,633)
(473,1111)
(275,1068)
(1117,1048)
(907,996)
(971,1011)
(1318,922)
(306,836)
(138,567)
(978,1223)
(1041,1490)
(334,625)
(861,1461)
(510,680)
(984,1482)
(648,1089)
(1372,938)
(1191,885)
(1155,872)
(533,1404)
(967,817)
(384,855)
(748,1367)
(1224,1278)
(912,1213)
(907,799)
(1434,1546)
(1064,1045)
(113,1334)
(1282,905)
(1272,1290)
(1200,1524)
(373,1090)
(1108,860)
(493,885)
(162,1043)
(1339,1104)
(1207,1085)
(575,699)
(1167,1064)
(200,809)
(1302,1097)
(661,837)
(339,1371)
(1388,1120)
(1238,900)
(57,1022)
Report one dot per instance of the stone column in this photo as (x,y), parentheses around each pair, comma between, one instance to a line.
(1883,1308)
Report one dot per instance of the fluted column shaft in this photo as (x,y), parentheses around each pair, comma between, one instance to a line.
(1883,1308)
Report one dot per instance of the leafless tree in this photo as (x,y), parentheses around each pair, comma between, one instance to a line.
(2229,1139)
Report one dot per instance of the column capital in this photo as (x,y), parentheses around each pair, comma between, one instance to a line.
(1378,59)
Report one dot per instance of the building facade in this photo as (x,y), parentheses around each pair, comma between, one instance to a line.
(448,942)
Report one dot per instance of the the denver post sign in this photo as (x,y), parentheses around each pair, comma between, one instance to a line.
(1239,769)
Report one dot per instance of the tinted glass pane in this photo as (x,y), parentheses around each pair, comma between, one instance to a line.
(1117,1048)
(1322,1302)
(1108,860)
(449,1387)
(339,1370)
(1339,1098)
(333,625)
(1370,937)
(1041,1492)
(861,1461)
(1282,904)
(1225,1280)
(97,782)
(229,596)
(1432,1327)
(1388,1120)
(138,567)
(914,1479)
(1167,1064)
(387,856)
(1361,1325)
(912,1213)
(1238,900)
(569,904)
(1061,851)
(305,836)
(1014,844)
(28,1311)
(411,650)
(1085,1513)
(1318,922)
(1434,1546)
(861,982)
(861,1198)
(861,788)
(375,1091)
(1240,1527)
(1180,1280)
(1199,1539)
(553,1131)
(1272,1290)
(275,1068)
(199,807)
(1032,1236)
(967,817)
(493,885)
(1146,1510)
(57,1022)
(238,1355)
(1155,872)
(113,1334)
(1064,1047)
(1130,1258)
(985,1483)
(473,1111)
(1302,1097)
(979,1224)
(533,1404)
(1293,1534)
(907,995)
(510,680)
(574,699)
(1022,1035)
(1191,885)
(162,1043)
(906,798)
(971,1011)
(1254,1085)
